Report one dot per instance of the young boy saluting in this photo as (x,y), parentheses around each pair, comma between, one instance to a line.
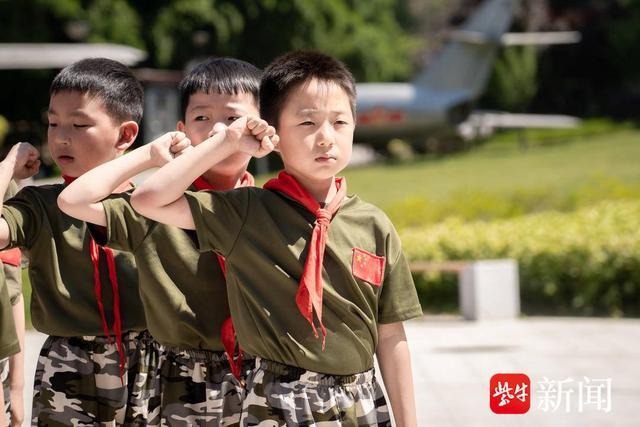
(317,280)
(183,291)
(84,297)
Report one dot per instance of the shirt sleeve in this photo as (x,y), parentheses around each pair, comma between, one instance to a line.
(398,297)
(13,277)
(24,216)
(9,344)
(219,217)
(126,229)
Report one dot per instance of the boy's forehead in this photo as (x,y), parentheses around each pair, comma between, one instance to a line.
(202,100)
(318,95)
(74,102)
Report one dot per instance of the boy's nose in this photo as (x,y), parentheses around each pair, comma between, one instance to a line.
(62,137)
(325,137)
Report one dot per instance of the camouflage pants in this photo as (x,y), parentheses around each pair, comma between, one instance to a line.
(78,382)
(279,395)
(4,380)
(198,389)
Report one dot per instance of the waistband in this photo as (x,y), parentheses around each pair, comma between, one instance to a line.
(200,355)
(102,339)
(289,373)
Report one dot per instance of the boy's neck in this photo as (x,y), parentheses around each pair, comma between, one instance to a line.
(322,191)
(222,181)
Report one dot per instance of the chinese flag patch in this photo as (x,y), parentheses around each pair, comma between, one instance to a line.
(367,266)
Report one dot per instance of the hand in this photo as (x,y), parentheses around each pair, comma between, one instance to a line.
(253,135)
(167,147)
(25,159)
(17,406)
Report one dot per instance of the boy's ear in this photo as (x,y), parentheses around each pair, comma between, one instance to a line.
(180,126)
(128,134)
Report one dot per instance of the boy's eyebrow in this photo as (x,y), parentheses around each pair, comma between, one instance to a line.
(230,106)
(308,111)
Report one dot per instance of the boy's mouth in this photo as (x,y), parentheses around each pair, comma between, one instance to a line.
(325,158)
(64,159)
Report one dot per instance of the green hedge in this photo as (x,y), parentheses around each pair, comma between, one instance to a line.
(581,263)
(471,205)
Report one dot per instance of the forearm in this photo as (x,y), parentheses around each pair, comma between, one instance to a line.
(98,183)
(169,183)
(16,362)
(394,360)
(6,174)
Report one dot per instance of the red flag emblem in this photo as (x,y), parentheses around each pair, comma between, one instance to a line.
(367,266)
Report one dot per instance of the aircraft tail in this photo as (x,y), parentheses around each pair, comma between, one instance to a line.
(467,59)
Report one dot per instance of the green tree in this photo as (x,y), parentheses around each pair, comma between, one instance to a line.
(514,82)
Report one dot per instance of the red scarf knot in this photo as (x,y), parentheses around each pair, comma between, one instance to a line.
(309,295)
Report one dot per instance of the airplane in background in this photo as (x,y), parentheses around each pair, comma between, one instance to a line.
(442,97)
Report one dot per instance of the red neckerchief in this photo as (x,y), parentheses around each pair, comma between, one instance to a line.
(94,250)
(11,257)
(309,295)
(227,331)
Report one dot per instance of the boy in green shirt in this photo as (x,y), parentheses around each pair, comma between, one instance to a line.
(84,297)
(183,291)
(13,384)
(9,346)
(317,281)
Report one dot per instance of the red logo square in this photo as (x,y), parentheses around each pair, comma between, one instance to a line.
(367,266)
(510,393)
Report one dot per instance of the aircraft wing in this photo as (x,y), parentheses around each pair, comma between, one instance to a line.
(59,55)
(484,123)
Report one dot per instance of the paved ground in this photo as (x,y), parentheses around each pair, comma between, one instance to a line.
(453,361)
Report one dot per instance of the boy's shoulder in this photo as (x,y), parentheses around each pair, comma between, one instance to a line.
(355,205)
(47,193)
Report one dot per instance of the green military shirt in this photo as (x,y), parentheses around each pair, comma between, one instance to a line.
(12,273)
(183,291)
(63,301)
(263,235)
(9,344)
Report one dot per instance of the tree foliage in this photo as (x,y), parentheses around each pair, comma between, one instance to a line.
(372,36)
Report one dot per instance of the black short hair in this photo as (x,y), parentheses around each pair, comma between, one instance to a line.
(109,80)
(288,71)
(228,76)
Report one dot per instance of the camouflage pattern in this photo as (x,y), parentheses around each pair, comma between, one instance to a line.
(143,406)
(78,382)
(4,380)
(198,389)
(281,395)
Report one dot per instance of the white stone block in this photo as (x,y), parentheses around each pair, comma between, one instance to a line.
(490,289)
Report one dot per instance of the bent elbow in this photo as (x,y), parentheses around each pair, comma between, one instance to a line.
(64,204)
(142,200)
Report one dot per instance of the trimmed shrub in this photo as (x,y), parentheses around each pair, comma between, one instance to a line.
(581,263)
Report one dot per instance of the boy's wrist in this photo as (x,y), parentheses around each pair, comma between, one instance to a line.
(8,164)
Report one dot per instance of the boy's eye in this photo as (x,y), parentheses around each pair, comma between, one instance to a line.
(52,125)
(307,123)
(232,119)
(341,122)
(201,118)
(79,126)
